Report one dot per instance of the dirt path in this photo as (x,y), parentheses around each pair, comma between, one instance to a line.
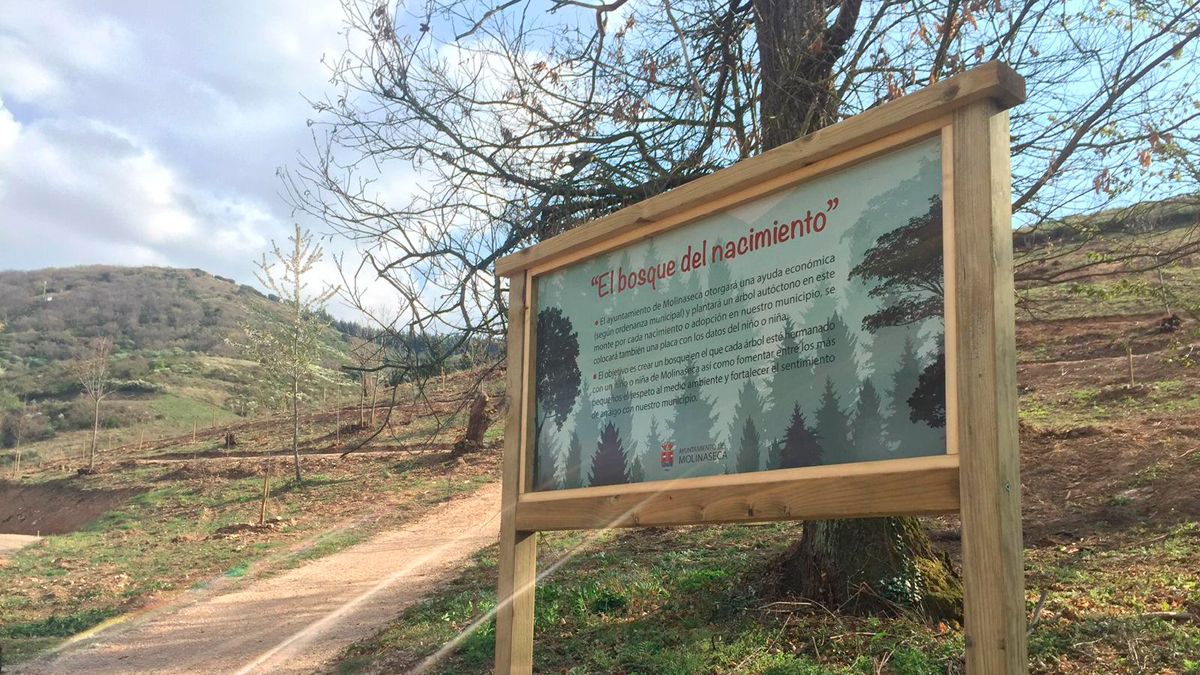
(9,543)
(298,621)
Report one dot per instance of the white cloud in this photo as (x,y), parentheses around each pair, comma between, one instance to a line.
(47,46)
(10,129)
(150,133)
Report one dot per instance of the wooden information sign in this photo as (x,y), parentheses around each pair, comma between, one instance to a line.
(823,331)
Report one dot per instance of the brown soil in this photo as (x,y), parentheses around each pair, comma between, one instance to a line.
(54,507)
(1135,467)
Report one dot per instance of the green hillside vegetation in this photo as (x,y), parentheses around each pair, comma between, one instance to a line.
(48,313)
(175,361)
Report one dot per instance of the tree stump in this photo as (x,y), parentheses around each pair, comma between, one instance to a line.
(230,440)
(478,422)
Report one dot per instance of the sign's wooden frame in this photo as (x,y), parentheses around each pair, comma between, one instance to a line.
(977,477)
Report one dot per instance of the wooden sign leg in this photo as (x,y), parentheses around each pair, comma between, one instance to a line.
(518,550)
(514,620)
(993,554)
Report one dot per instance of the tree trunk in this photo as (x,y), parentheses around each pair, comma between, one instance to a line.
(477,424)
(95,436)
(296,424)
(374,395)
(797,52)
(867,564)
(362,403)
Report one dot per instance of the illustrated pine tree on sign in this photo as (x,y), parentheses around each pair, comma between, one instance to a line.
(636,473)
(573,477)
(556,386)
(694,420)
(608,464)
(749,405)
(907,423)
(832,428)
(775,454)
(845,377)
(800,446)
(928,402)
(747,457)
(547,462)
(624,420)
(867,431)
(719,273)
(788,389)
(586,429)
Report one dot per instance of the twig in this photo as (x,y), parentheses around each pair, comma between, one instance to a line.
(1171,616)
(1037,610)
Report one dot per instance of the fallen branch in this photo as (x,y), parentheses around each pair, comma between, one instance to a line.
(1171,616)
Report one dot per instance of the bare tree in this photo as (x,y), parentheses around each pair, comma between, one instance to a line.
(368,355)
(524,120)
(92,372)
(290,348)
(22,416)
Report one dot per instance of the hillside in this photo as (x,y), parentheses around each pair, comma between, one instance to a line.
(49,313)
(173,365)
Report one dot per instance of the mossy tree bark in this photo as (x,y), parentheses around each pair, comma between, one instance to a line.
(869,564)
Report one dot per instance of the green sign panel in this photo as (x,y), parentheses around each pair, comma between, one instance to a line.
(799,329)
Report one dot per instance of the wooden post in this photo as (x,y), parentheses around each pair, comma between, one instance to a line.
(518,549)
(193,429)
(1129,353)
(985,362)
(17,449)
(266,491)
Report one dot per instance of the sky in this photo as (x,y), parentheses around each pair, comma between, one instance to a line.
(150,133)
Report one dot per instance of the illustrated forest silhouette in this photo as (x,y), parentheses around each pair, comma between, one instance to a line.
(608,464)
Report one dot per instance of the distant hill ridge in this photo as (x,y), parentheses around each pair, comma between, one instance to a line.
(50,313)
(1139,218)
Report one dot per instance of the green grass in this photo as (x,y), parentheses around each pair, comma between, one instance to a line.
(237,571)
(688,601)
(57,625)
(1093,406)
(327,543)
(178,411)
